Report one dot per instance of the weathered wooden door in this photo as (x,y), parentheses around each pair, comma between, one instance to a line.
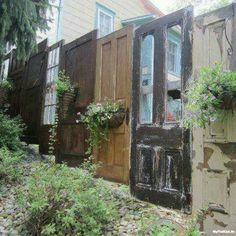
(78,59)
(160,148)
(113,79)
(32,93)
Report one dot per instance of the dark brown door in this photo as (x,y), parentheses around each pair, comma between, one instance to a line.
(160,148)
(78,59)
(32,93)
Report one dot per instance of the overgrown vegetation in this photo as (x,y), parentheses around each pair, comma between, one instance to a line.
(6,84)
(152,225)
(209,96)
(65,201)
(9,165)
(11,129)
(97,119)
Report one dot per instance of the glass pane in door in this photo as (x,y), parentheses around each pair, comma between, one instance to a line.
(173,76)
(146,80)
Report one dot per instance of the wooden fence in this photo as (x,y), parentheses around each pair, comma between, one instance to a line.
(161,162)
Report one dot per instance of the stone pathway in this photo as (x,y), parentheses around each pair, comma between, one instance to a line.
(11,216)
(132,210)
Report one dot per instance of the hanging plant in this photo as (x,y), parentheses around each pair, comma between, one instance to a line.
(99,118)
(66,92)
(209,96)
(6,84)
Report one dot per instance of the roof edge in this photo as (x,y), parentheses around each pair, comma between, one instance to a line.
(152,8)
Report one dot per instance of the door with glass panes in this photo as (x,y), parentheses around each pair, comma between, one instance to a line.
(160,147)
(49,101)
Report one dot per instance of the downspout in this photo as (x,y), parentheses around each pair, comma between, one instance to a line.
(59,21)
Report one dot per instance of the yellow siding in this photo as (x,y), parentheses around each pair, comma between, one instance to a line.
(79,15)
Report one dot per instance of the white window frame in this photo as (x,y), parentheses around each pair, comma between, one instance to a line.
(50,90)
(4,69)
(100,10)
(175,55)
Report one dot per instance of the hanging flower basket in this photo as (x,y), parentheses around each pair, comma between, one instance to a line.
(116,120)
(64,102)
(209,96)
(228,101)
(99,118)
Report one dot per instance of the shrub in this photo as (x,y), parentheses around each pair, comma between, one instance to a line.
(11,129)
(6,84)
(64,201)
(9,165)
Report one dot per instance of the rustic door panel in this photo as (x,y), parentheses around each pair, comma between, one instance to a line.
(160,157)
(78,59)
(113,78)
(32,93)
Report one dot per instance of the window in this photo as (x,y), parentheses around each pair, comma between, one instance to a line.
(50,95)
(105,20)
(146,80)
(172,56)
(54,14)
(173,79)
(4,69)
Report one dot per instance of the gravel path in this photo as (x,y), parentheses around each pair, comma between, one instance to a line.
(131,210)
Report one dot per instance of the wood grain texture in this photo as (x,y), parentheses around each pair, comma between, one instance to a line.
(160,151)
(113,82)
(78,59)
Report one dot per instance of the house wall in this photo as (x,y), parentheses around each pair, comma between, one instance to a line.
(79,16)
(214,148)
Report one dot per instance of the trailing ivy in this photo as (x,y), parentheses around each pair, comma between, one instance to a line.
(96,121)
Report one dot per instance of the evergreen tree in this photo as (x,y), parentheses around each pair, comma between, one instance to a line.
(19,22)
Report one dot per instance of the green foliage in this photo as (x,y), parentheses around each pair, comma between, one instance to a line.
(6,84)
(192,228)
(206,95)
(11,129)
(63,84)
(96,120)
(19,23)
(64,201)
(9,165)
(152,225)
(53,134)
(200,6)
